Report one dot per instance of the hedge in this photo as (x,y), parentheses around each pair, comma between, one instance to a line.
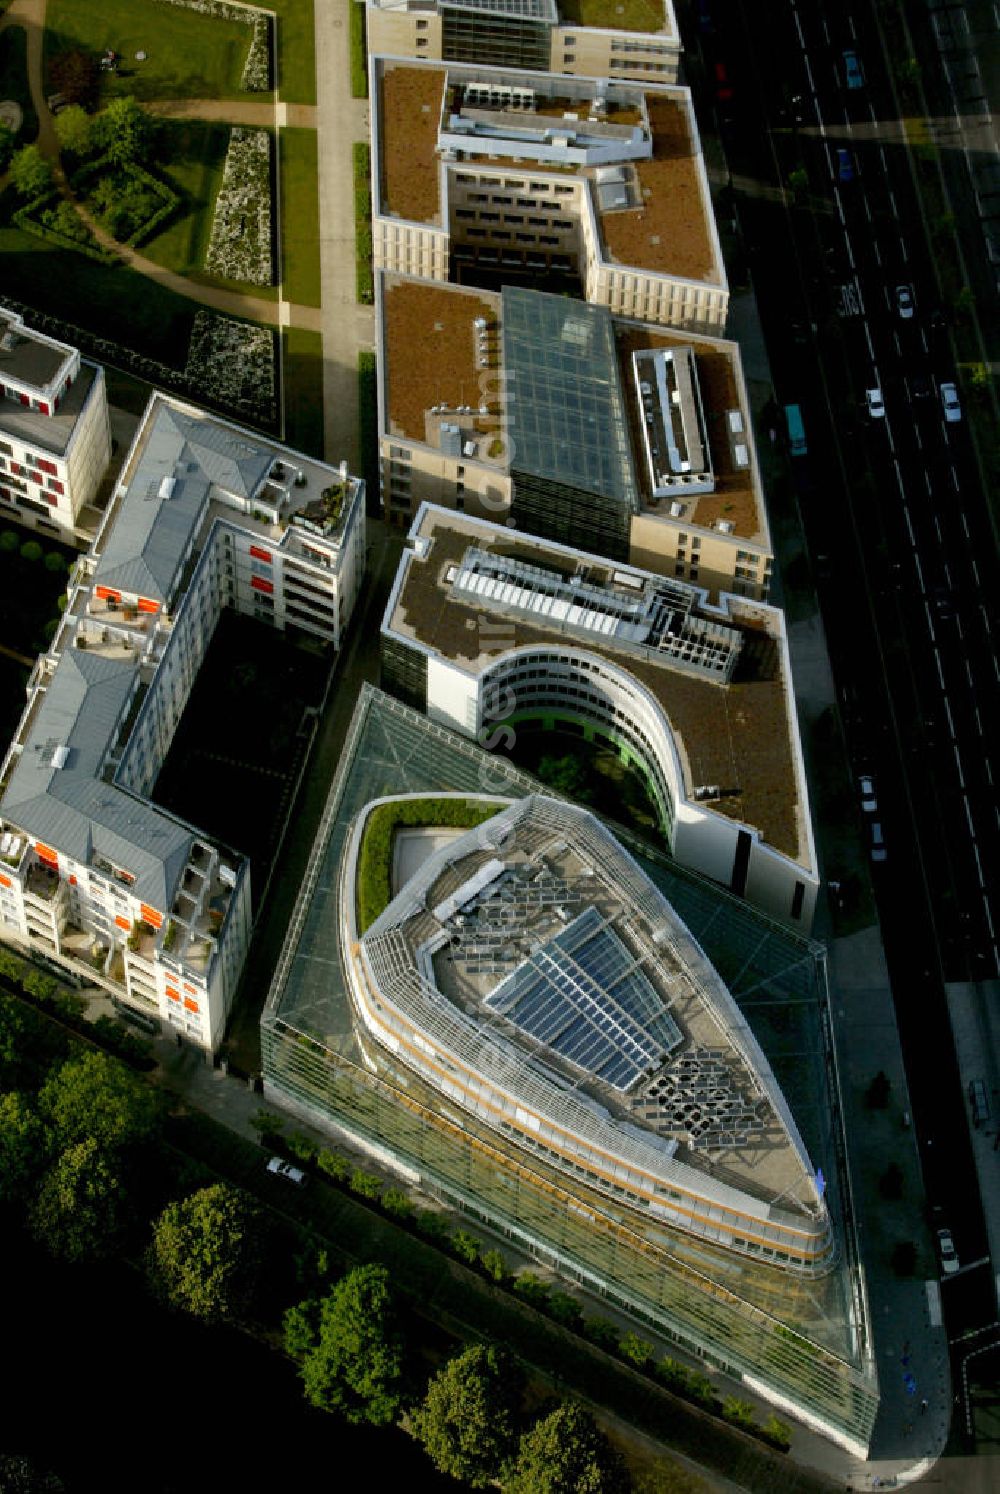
(375,856)
(89,246)
(168,197)
(363,221)
(359,47)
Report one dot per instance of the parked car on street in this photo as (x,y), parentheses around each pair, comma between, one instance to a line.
(283,1169)
(950,402)
(947,1252)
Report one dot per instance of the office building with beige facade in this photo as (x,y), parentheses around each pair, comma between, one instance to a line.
(550,413)
(485,175)
(634,39)
(487,628)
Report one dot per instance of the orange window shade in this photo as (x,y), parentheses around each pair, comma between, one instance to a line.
(46,853)
(122,923)
(107,593)
(4,881)
(191,1006)
(146,605)
(150,915)
(192,989)
(174,995)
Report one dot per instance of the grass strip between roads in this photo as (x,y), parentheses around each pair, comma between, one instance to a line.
(368,427)
(302,366)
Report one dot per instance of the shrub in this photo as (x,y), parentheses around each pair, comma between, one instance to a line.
(395,1203)
(333,1165)
(877,1093)
(777,1431)
(9,541)
(363,217)
(240,245)
(495,1267)
(31,550)
(601,1332)
(55,563)
(365,1184)
(904,1258)
(740,1413)
(639,1350)
(528,1286)
(465,1246)
(359,47)
(301,1148)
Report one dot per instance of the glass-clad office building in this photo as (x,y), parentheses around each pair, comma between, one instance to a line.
(805,1344)
(566,421)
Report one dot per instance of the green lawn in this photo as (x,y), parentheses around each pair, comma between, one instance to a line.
(363,222)
(296,52)
(359,50)
(302,367)
(14,80)
(190,155)
(187,55)
(112,302)
(615,15)
(299,217)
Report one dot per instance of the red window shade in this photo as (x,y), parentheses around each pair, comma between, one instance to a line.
(43,407)
(34,476)
(25,399)
(41,462)
(149,915)
(146,605)
(46,853)
(107,594)
(56,485)
(259,585)
(122,923)
(260,554)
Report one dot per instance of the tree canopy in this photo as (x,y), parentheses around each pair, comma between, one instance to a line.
(124,130)
(467,1420)
(350,1349)
(206,1253)
(75,130)
(81,1208)
(567,1453)
(96,1096)
(22,1147)
(30,172)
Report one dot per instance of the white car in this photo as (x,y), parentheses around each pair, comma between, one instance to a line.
(866,787)
(904,301)
(947,1252)
(283,1169)
(876,404)
(949,402)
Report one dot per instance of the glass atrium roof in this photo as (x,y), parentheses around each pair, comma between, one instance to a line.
(566,417)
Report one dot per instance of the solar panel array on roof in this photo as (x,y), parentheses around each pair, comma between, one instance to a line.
(583,995)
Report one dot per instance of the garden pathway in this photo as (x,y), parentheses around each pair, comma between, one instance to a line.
(235,111)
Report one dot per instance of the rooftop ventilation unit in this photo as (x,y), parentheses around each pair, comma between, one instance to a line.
(725,526)
(166,488)
(676,510)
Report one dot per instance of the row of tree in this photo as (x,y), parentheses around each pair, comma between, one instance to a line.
(352,1353)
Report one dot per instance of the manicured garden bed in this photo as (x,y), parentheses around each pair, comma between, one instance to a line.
(240,245)
(56,221)
(363,222)
(129,202)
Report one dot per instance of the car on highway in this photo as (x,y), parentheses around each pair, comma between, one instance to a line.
(723,87)
(950,402)
(845,166)
(919,386)
(876,841)
(904,302)
(853,75)
(947,1252)
(876,404)
(282,1169)
(866,788)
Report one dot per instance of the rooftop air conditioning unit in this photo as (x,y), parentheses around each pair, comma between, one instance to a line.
(676,510)
(725,526)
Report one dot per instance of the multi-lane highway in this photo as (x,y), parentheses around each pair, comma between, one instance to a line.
(893,510)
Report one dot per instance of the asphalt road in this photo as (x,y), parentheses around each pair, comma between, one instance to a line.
(896,520)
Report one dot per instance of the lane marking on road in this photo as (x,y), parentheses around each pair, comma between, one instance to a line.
(798,27)
(923,339)
(937,521)
(965,524)
(909,525)
(871,349)
(903,250)
(840,205)
(892,200)
(850,250)
(979,723)
(975,573)
(954,478)
(937,655)
(951,719)
(920,569)
(868,211)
